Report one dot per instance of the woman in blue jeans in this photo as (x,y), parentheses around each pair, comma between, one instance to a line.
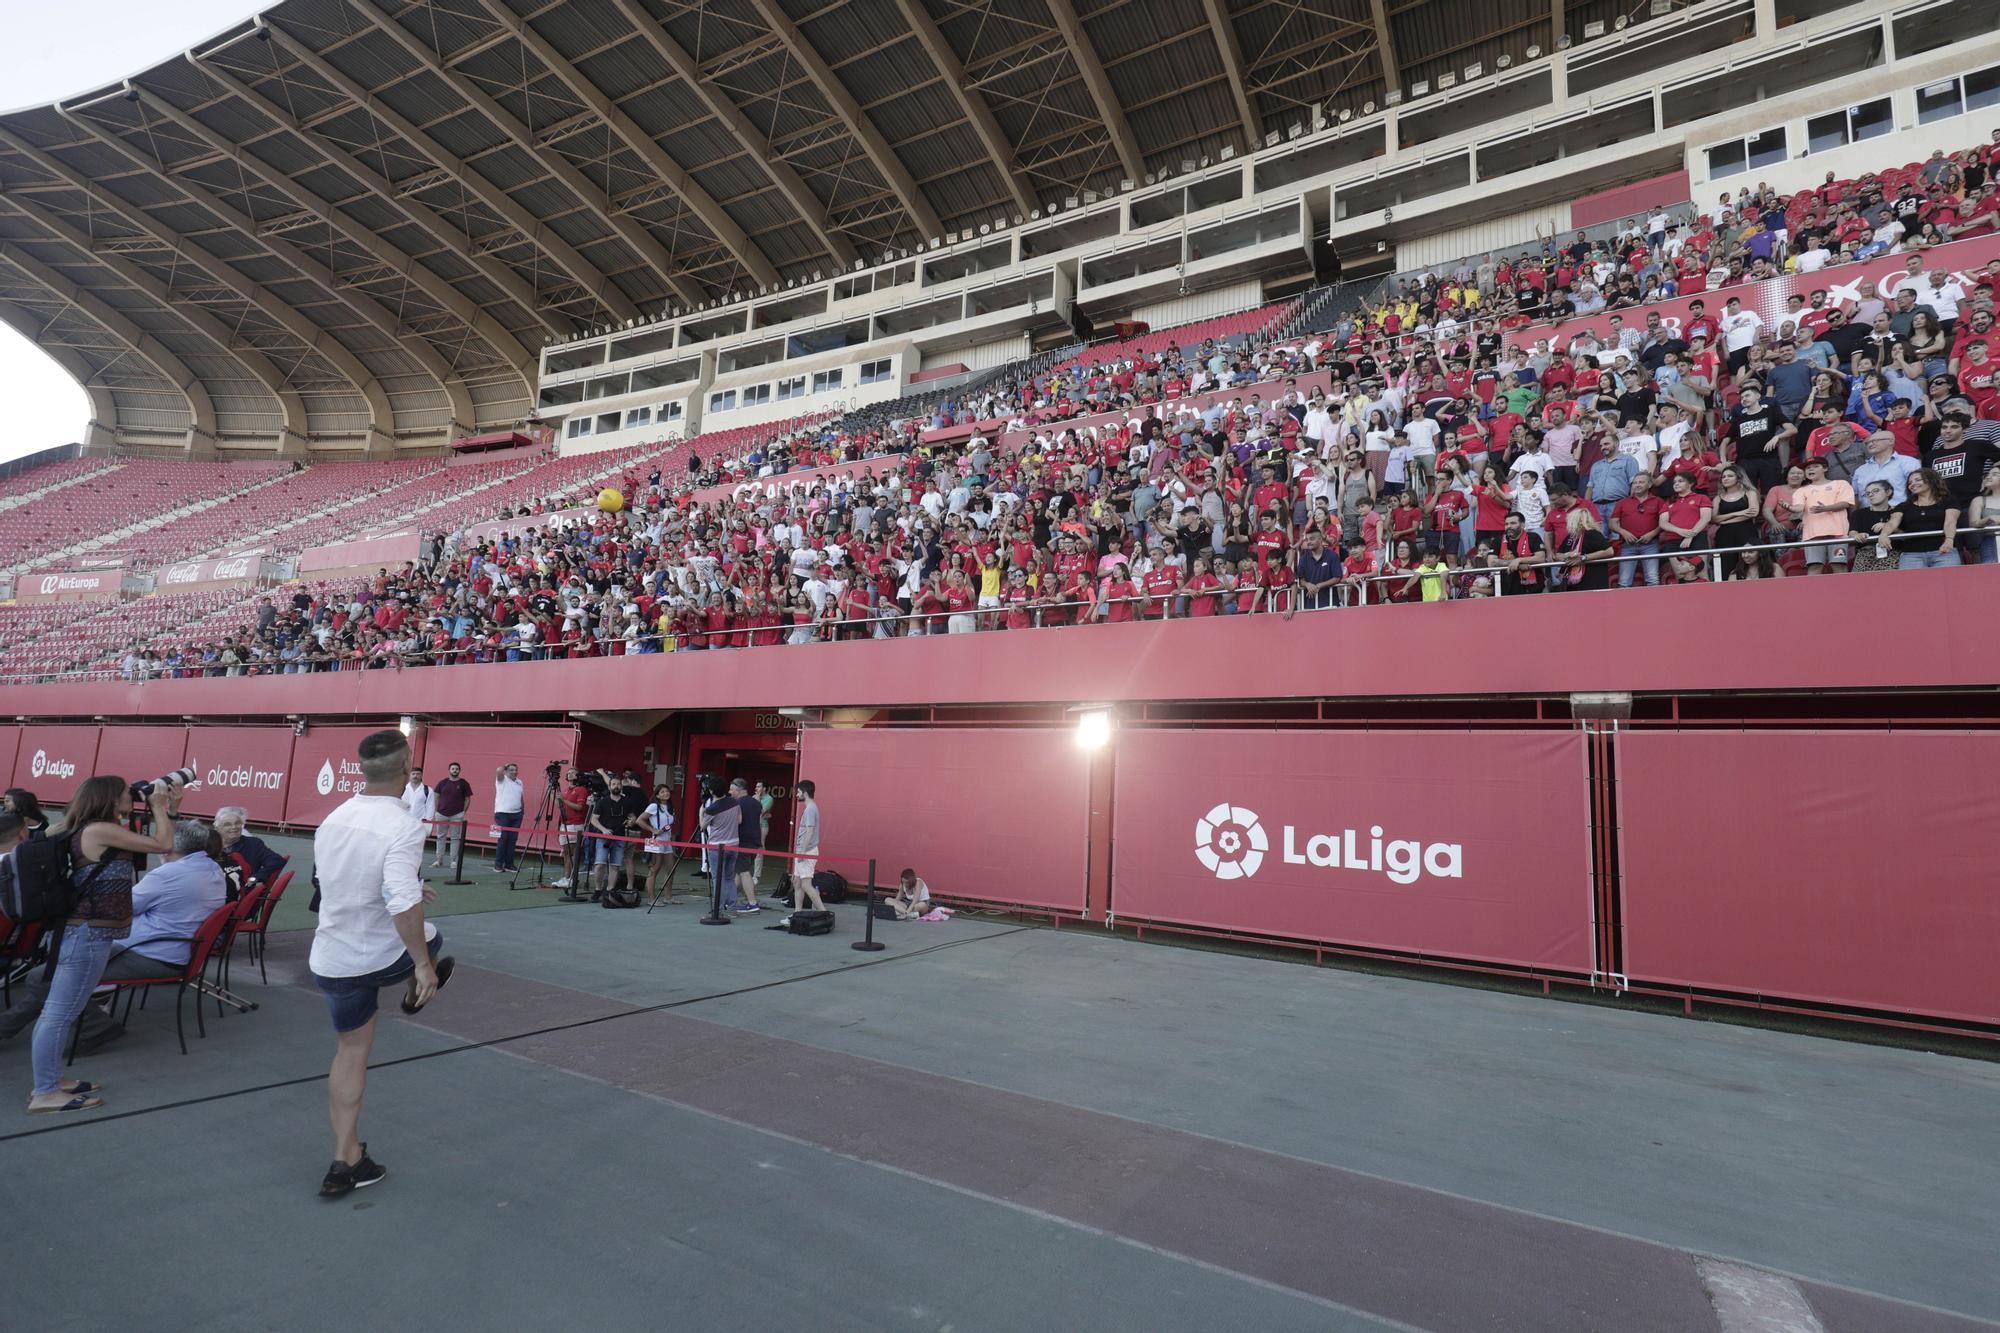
(1932,519)
(100,849)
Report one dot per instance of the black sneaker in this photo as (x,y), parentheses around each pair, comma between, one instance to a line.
(343,1179)
(444,968)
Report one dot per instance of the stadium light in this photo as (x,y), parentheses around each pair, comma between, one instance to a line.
(1093,728)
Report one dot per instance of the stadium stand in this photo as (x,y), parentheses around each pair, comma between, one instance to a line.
(1435,437)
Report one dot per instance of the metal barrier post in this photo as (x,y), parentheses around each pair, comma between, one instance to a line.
(458,862)
(868,942)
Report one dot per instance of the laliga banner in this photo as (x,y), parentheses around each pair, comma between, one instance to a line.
(53,761)
(1468,845)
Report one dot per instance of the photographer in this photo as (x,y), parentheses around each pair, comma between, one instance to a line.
(606,824)
(722,818)
(575,799)
(103,869)
(632,794)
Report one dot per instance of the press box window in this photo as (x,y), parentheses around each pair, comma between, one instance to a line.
(1837,129)
(722,402)
(824,380)
(874,372)
(792,388)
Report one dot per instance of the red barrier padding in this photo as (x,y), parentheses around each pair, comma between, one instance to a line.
(246,766)
(480,750)
(1842,867)
(326,772)
(1466,845)
(53,761)
(1001,816)
(140,754)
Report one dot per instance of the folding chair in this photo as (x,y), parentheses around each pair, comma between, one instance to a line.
(201,946)
(253,928)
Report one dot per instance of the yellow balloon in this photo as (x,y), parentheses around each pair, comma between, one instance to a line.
(610,500)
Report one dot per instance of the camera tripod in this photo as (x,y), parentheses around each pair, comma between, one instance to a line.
(548,815)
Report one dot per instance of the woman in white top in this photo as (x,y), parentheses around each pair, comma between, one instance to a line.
(656,821)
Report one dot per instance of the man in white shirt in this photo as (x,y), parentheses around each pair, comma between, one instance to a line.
(371,934)
(1739,331)
(507,801)
(417,797)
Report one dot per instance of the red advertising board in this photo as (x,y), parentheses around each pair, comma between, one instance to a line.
(1470,845)
(234,569)
(384,552)
(326,771)
(10,744)
(1843,867)
(479,751)
(69,585)
(140,754)
(996,815)
(246,766)
(53,761)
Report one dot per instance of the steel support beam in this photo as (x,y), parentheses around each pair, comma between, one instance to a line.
(201,408)
(256,365)
(579,270)
(976,111)
(1231,50)
(699,200)
(381,419)
(642,242)
(509,348)
(1385,44)
(802,200)
(921,214)
(1101,93)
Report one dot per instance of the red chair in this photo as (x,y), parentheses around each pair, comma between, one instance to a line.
(253,928)
(201,947)
(247,909)
(20,947)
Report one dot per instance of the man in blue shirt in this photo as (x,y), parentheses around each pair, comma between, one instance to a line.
(1610,480)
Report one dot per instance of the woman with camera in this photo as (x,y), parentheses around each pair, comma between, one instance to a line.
(103,858)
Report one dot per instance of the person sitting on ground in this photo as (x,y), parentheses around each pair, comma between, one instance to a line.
(913,897)
(263,864)
(169,904)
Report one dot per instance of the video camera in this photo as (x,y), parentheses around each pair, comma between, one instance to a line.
(180,777)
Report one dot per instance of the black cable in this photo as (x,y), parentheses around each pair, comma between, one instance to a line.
(501,1041)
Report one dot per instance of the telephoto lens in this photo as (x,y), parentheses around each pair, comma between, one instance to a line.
(180,777)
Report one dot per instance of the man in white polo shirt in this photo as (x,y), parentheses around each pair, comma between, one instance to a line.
(507,799)
(371,934)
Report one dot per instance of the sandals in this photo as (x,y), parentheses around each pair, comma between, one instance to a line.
(82,1087)
(444,967)
(79,1102)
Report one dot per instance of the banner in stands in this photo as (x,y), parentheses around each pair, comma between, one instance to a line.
(997,815)
(479,751)
(235,569)
(246,766)
(327,770)
(1844,867)
(511,527)
(380,552)
(801,481)
(1470,845)
(69,585)
(140,754)
(53,761)
(1846,287)
(1269,391)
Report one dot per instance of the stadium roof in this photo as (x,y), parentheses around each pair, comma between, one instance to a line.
(359,220)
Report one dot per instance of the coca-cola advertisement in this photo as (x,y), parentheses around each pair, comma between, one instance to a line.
(234,570)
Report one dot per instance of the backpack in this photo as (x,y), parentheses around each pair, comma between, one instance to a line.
(40,889)
(832,886)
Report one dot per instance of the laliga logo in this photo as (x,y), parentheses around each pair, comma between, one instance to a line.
(43,766)
(1229,842)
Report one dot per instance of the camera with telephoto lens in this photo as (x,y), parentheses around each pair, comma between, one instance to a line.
(180,777)
(592,782)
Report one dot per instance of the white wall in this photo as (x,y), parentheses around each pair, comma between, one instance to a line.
(1202,305)
(1502,233)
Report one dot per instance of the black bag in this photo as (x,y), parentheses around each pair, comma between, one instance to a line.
(40,889)
(810,923)
(832,886)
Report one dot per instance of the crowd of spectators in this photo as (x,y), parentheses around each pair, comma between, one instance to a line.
(1466,445)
